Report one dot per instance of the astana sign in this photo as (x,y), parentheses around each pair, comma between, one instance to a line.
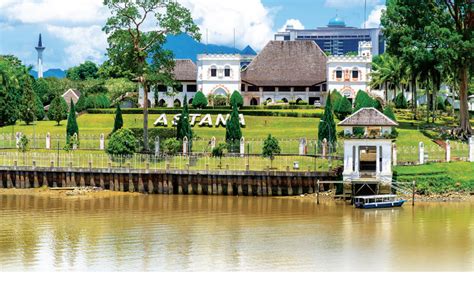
(200,120)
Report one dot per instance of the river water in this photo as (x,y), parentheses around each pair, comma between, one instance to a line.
(220,233)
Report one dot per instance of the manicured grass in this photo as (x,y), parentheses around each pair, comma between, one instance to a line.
(439,177)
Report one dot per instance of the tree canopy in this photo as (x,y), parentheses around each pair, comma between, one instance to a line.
(233,134)
(327,126)
(199,100)
(86,70)
(58,110)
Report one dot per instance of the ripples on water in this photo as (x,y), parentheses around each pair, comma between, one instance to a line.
(219,233)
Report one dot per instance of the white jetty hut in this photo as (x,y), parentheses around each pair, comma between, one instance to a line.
(367,152)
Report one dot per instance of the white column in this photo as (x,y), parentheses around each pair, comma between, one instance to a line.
(242,147)
(185,146)
(448,151)
(377,162)
(48,141)
(356,160)
(102,142)
(394,154)
(421,153)
(471,149)
(213,143)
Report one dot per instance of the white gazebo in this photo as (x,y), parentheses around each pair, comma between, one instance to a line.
(367,151)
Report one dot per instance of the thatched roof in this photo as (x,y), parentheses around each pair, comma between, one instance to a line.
(287,63)
(185,70)
(368,116)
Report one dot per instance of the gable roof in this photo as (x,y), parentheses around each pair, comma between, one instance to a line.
(248,50)
(185,70)
(287,63)
(368,116)
(73,94)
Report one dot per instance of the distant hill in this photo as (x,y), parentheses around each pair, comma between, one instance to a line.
(53,72)
(185,47)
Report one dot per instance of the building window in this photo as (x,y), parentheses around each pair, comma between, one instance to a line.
(192,88)
(315,88)
(355,74)
(338,74)
(268,88)
(324,87)
(242,87)
(213,72)
(178,88)
(252,88)
(299,88)
(284,88)
(227,72)
(162,88)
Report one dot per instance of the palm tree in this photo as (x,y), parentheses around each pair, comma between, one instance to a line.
(386,70)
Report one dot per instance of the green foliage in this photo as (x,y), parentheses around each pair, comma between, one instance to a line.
(28,102)
(183,128)
(199,100)
(72,128)
(218,151)
(233,134)
(172,146)
(57,109)
(441,104)
(122,143)
(39,109)
(271,147)
(342,108)
(118,121)
(218,100)
(86,70)
(163,133)
(23,144)
(12,76)
(389,113)
(98,101)
(400,101)
(118,88)
(48,88)
(327,126)
(236,99)
(364,100)
(81,103)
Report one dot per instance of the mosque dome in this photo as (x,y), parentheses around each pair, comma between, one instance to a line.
(336,22)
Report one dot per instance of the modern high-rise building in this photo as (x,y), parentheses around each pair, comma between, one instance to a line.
(337,38)
(40,48)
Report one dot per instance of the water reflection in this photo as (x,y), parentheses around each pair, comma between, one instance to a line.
(219,233)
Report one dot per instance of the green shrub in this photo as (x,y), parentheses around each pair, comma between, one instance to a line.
(441,105)
(342,108)
(162,132)
(236,99)
(302,102)
(122,143)
(199,100)
(400,101)
(364,100)
(219,100)
(172,146)
(218,151)
(57,109)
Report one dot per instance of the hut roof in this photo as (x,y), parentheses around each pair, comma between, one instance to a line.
(71,94)
(185,70)
(368,116)
(287,63)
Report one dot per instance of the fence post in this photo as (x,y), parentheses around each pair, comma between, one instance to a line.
(48,141)
(471,149)
(242,147)
(157,146)
(421,153)
(448,151)
(302,147)
(213,143)
(394,154)
(102,142)
(185,145)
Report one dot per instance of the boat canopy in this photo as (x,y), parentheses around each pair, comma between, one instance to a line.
(375,196)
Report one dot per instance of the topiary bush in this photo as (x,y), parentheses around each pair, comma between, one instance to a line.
(199,100)
(236,99)
(400,101)
(122,143)
(342,108)
(363,100)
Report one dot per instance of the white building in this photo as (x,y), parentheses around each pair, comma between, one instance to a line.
(218,74)
(367,157)
(349,74)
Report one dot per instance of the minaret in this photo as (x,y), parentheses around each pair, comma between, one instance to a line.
(40,49)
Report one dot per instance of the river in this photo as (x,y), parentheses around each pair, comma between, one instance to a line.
(219,233)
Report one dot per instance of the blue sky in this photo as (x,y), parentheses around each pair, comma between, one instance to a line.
(72,33)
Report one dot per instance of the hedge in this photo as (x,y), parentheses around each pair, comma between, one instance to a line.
(162,132)
(209,111)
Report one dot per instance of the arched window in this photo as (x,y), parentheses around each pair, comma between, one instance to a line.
(355,73)
(338,73)
(213,71)
(177,103)
(284,100)
(227,71)
(299,100)
(162,103)
(190,101)
(254,101)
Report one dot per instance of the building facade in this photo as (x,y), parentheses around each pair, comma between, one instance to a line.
(349,74)
(336,38)
(218,74)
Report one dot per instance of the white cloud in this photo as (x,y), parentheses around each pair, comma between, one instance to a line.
(373,21)
(252,21)
(349,3)
(292,22)
(54,11)
(83,43)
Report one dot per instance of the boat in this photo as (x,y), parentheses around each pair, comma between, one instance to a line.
(378,201)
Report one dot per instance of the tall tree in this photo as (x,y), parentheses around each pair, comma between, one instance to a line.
(236,99)
(131,44)
(57,110)
(184,127)
(327,126)
(86,70)
(71,127)
(118,122)
(233,134)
